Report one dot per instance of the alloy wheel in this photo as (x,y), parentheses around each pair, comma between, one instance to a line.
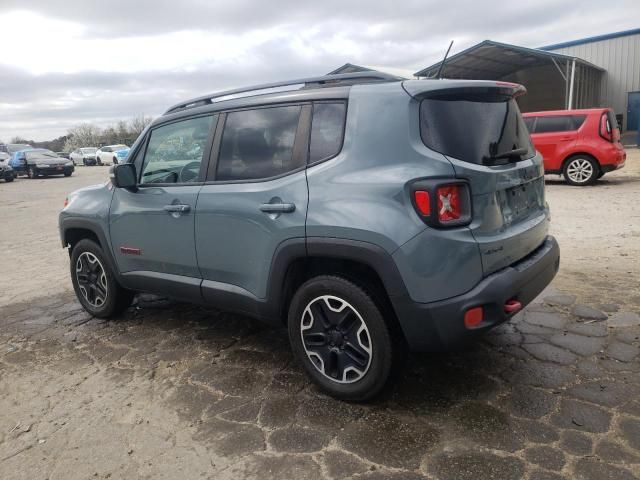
(92,279)
(580,170)
(336,339)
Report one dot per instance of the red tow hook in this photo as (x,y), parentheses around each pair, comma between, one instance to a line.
(512,306)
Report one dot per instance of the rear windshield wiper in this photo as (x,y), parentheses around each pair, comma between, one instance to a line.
(516,152)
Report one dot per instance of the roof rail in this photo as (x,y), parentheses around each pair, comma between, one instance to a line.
(310,82)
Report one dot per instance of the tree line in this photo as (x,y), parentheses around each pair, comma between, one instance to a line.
(90,135)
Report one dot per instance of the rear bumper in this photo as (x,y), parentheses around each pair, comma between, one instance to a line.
(440,325)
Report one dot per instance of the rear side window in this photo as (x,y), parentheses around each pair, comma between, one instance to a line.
(327,130)
(559,123)
(477,128)
(258,144)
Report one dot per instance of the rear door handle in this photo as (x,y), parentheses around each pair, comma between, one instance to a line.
(277,207)
(177,208)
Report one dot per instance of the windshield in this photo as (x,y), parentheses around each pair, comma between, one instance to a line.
(119,147)
(16,147)
(482,128)
(88,150)
(35,154)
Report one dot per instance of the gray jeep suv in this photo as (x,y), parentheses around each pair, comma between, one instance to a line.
(367,214)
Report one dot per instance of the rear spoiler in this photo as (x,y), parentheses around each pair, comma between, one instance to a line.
(455,88)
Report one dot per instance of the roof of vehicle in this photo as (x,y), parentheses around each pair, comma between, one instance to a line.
(328,87)
(550,113)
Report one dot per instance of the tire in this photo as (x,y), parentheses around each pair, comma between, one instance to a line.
(84,162)
(67,174)
(581,170)
(600,174)
(94,282)
(115,160)
(9,178)
(349,356)
(32,173)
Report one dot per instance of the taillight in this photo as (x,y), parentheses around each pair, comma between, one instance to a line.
(422,202)
(449,203)
(442,203)
(66,202)
(605,128)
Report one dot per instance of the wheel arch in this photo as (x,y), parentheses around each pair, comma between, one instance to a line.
(580,153)
(360,262)
(72,230)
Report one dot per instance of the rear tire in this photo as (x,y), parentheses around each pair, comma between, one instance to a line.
(348,349)
(32,173)
(9,178)
(581,170)
(95,283)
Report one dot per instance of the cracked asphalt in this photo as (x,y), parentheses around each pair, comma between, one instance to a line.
(170,390)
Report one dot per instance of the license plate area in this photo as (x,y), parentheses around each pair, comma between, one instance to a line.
(519,201)
(58,168)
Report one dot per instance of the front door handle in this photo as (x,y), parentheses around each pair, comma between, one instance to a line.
(177,208)
(277,207)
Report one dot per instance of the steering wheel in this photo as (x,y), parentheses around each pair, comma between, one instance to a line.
(189,172)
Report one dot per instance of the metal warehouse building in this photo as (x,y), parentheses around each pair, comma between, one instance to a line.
(602,71)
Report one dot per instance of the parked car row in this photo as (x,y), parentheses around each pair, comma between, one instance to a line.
(34,162)
(23,159)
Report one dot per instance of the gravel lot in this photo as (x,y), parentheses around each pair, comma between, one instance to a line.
(175,391)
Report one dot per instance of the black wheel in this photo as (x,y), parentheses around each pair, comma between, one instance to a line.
(339,334)
(94,283)
(67,174)
(32,172)
(84,162)
(115,160)
(581,170)
(9,177)
(600,174)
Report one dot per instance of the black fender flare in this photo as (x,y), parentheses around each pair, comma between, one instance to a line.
(366,253)
(69,223)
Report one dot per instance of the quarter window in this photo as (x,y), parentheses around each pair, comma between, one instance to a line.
(175,151)
(258,144)
(327,129)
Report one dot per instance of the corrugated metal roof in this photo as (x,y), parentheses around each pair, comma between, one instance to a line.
(597,38)
(491,60)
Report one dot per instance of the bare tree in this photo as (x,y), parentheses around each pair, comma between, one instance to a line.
(19,139)
(82,135)
(138,124)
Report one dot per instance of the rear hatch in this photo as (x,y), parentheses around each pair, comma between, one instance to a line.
(478,127)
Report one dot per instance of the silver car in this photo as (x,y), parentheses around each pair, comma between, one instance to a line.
(85,156)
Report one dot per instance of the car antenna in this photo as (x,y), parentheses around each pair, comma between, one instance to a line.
(439,74)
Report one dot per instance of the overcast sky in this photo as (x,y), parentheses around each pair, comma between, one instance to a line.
(63,62)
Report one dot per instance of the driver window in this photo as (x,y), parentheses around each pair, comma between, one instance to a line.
(175,151)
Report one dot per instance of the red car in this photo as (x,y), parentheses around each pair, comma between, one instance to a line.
(582,145)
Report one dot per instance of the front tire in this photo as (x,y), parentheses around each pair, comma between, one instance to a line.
(581,170)
(67,174)
(94,282)
(115,160)
(339,335)
(32,173)
(9,178)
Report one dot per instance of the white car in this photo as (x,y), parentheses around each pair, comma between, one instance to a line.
(86,156)
(112,154)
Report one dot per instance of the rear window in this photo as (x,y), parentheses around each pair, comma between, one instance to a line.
(484,129)
(559,123)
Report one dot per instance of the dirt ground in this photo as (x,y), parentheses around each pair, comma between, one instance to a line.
(175,391)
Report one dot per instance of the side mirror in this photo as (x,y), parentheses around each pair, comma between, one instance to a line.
(123,175)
